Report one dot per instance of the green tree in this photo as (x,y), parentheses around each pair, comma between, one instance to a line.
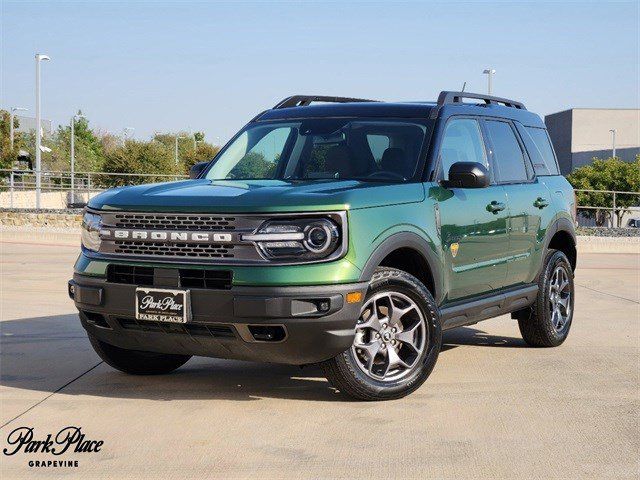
(139,157)
(253,165)
(609,174)
(89,149)
(203,153)
(9,155)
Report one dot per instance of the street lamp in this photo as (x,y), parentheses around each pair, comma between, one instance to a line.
(490,72)
(613,142)
(176,150)
(73,154)
(125,131)
(39,58)
(11,115)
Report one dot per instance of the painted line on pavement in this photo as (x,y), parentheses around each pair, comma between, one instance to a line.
(49,396)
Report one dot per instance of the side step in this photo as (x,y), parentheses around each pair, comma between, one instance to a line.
(473,311)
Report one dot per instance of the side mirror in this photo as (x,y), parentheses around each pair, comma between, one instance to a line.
(467,175)
(197,169)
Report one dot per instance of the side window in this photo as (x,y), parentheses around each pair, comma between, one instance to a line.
(461,142)
(377,144)
(509,158)
(543,144)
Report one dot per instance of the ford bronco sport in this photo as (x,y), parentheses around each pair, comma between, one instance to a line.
(348,233)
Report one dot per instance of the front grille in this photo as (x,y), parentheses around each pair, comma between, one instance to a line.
(185,277)
(193,329)
(214,279)
(150,221)
(214,250)
(131,275)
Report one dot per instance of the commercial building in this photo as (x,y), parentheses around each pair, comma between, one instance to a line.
(580,134)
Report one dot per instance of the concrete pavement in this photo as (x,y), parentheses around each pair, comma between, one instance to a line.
(492,408)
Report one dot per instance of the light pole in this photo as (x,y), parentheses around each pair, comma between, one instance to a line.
(489,72)
(125,134)
(39,58)
(176,150)
(613,142)
(12,114)
(73,154)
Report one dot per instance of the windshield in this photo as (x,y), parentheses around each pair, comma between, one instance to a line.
(324,148)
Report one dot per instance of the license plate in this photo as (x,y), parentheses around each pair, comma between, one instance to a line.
(163,305)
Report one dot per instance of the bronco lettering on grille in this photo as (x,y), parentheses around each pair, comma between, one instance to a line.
(160,235)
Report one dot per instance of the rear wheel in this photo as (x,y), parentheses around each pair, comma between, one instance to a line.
(547,322)
(137,362)
(396,344)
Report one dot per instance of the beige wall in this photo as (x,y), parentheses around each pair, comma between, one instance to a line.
(591,129)
(27,199)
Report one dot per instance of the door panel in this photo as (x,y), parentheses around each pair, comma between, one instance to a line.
(529,202)
(477,265)
(530,212)
(473,221)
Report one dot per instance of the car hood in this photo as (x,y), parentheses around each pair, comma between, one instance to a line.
(256,196)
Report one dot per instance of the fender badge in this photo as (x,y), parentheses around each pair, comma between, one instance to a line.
(454,249)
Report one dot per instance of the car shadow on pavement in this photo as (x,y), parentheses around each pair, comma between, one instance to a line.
(473,337)
(47,353)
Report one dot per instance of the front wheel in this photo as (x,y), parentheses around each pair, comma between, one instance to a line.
(397,340)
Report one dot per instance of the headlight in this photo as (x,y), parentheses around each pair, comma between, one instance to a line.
(304,239)
(91,231)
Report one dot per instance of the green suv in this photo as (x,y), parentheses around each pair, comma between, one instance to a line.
(337,231)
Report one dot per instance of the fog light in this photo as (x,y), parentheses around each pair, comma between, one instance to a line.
(354,297)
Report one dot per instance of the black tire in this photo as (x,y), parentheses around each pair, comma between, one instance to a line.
(135,362)
(343,371)
(537,323)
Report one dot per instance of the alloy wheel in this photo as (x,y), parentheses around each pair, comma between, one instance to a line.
(559,298)
(391,335)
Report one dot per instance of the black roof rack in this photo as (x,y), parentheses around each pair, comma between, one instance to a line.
(304,100)
(447,98)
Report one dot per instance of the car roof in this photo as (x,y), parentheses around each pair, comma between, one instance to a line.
(353,109)
(410,110)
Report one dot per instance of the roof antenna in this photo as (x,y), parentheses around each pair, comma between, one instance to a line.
(464,85)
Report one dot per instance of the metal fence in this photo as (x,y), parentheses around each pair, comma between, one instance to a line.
(614,208)
(61,190)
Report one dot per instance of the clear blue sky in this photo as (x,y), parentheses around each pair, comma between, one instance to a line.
(164,66)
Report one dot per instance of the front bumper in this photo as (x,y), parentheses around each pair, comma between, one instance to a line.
(227,323)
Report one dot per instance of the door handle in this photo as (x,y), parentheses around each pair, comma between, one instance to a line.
(495,207)
(540,203)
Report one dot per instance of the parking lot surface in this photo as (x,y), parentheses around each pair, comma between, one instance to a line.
(493,408)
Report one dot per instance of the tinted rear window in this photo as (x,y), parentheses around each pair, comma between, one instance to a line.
(541,151)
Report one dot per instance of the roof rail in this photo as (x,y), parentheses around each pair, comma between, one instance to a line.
(304,100)
(448,98)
